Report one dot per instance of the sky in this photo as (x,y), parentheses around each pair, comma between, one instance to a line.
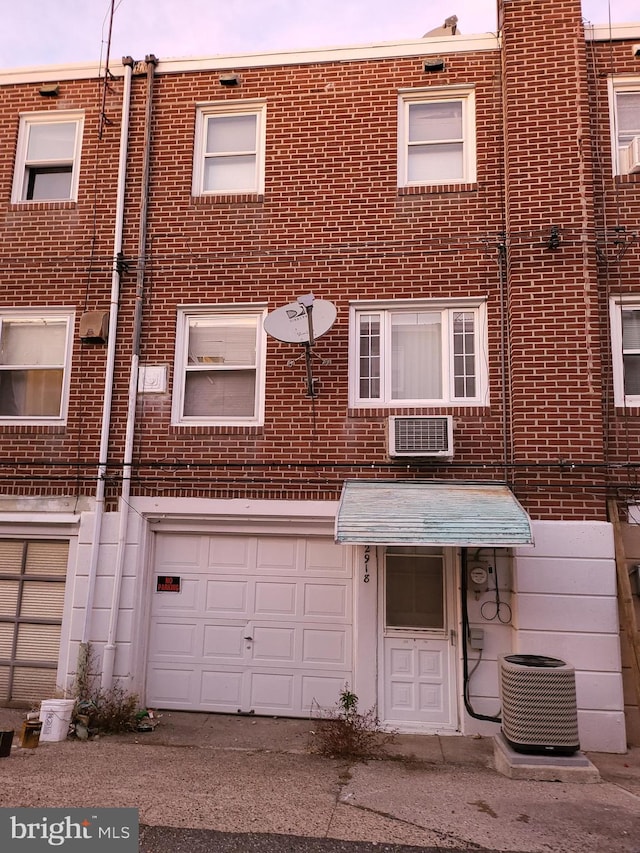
(53,32)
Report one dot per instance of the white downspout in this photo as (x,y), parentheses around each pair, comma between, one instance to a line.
(111,358)
(109,654)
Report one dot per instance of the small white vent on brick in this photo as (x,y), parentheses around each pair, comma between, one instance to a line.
(421,436)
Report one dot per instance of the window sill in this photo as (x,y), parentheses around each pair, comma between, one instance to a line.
(216,429)
(227,199)
(43,205)
(7,428)
(631,178)
(382,411)
(436,189)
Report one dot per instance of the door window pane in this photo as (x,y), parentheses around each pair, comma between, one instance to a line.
(414,589)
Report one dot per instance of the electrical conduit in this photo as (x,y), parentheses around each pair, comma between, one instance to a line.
(110,366)
(109,654)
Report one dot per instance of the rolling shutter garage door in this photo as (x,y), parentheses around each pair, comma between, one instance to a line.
(260,624)
(32,582)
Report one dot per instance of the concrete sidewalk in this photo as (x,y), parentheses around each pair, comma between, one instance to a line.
(259,775)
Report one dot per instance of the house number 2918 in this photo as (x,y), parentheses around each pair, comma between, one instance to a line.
(367,557)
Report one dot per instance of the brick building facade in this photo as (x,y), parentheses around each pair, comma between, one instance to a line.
(468,208)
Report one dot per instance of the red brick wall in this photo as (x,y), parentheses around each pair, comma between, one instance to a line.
(333,222)
(617,204)
(555,342)
(59,255)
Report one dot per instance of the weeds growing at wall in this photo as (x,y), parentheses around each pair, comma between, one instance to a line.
(346,732)
(98,710)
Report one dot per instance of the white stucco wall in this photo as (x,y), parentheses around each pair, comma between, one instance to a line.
(562,592)
(130,597)
(566,607)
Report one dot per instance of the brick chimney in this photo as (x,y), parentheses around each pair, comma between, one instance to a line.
(551,270)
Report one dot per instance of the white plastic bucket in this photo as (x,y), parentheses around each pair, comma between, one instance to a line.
(55,715)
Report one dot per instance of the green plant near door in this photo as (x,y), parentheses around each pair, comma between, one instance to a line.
(346,732)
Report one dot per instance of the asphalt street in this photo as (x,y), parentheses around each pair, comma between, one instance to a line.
(162,839)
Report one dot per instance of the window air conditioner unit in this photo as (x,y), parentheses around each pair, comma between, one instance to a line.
(430,436)
(630,157)
(539,712)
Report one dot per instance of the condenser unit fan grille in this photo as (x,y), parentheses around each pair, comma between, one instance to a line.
(539,712)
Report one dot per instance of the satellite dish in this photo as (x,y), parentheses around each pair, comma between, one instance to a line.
(291,323)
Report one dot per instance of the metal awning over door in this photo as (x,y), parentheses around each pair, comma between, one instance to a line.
(418,512)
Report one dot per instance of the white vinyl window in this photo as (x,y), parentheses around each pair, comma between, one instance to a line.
(35,364)
(48,157)
(625,341)
(418,353)
(220,366)
(624,102)
(229,149)
(436,137)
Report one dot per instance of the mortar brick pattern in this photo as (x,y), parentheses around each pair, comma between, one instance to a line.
(332,221)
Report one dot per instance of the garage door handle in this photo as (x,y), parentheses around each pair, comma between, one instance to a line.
(248,638)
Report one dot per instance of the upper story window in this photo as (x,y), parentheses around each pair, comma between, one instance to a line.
(220,366)
(625,341)
(436,136)
(35,363)
(48,157)
(418,352)
(625,129)
(229,148)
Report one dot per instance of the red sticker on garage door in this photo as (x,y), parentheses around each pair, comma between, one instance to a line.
(167,583)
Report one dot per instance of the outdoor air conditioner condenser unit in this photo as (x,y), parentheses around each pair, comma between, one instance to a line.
(424,435)
(539,711)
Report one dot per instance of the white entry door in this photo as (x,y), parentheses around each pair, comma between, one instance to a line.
(250,624)
(418,666)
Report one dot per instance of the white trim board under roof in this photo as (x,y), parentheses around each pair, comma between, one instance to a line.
(224,62)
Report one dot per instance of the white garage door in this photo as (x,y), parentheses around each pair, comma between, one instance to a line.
(260,624)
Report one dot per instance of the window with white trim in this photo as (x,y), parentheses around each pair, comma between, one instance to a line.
(416,353)
(220,366)
(48,157)
(229,149)
(625,342)
(436,136)
(624,101)
(35,366)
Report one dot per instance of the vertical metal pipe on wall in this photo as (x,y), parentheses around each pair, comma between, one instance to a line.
(111,356)
(109,655)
